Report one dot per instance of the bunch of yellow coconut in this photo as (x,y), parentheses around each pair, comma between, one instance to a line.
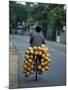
(29,62)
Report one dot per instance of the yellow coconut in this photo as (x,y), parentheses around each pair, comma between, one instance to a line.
(42,64)
(34,48)
(48,55)
(31,56)
(27,52)
(26,56)
(25,66)
(39,48)
(28,68)
(36,52)
(40,53)
(43,56)
(42,60)
(43,69)
(45,52)
(32,71)
(49,60)
(29,64)
(46,58)
(31,51)
(27,74)
(26,62)
(46,63)
(33,62)
(42,49)
(30,48)
(43,46)
(30,60)
(39,67)
(46,49)
(46,67)
(32,66)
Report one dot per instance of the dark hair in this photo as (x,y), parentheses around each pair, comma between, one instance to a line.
(38,28)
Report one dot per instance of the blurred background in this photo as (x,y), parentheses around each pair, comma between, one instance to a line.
(24,16)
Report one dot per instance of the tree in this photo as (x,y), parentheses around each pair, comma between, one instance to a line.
(18,13)
(39,13)
(56,20)
(12,13)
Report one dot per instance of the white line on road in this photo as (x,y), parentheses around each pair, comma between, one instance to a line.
(56,51)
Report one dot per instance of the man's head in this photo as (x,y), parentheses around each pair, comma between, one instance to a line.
(38,28)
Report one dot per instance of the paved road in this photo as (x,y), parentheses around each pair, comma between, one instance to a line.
(54,77)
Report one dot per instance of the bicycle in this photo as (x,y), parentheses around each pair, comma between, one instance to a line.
(37,62)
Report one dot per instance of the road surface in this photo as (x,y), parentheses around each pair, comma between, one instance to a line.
(55,76)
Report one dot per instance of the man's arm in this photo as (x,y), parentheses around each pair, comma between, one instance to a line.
(31,38)
(31,41)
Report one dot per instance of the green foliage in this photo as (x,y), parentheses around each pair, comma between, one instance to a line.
(18,13)
(56,18)
(12,13)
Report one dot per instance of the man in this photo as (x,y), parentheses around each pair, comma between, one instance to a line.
(37,38)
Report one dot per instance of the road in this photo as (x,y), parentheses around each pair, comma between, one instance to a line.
(55,76)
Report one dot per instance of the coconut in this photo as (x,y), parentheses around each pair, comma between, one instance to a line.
(32,71)
(29,69)
(39,67)
(40,53)
(31,56)
(36,52)
(27,52)
(43,46)
(42,64)
(25,66)
(43,56)
(46,67)
(42,60)
(46,49)
(48,55)
(26,56)
(39,48)
(30,48)
(34,48)
(31,51)
(43,69)
(27,74)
